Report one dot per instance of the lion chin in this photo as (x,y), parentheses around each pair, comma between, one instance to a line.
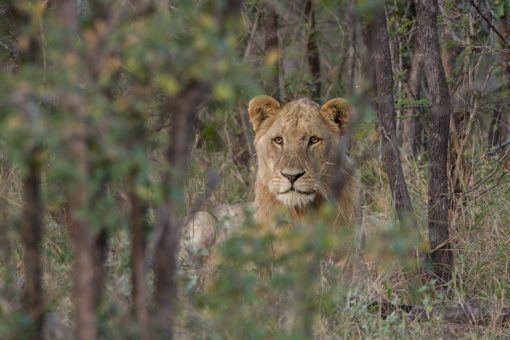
(294,199)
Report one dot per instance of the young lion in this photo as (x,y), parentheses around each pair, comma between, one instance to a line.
(301,163)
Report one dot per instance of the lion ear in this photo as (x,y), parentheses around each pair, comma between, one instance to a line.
(339,111)
(260,108)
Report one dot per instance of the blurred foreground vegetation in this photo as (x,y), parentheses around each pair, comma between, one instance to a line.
(86,96)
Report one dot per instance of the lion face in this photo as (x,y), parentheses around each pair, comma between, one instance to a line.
(296,147)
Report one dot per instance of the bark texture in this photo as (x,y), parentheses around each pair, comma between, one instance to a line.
(347,74)
(439,120)
(312,50)
(379,43)
(272,46)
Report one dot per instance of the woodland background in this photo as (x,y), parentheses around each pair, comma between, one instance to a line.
(119,117)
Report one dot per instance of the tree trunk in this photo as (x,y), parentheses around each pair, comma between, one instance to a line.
(139,227)
(138,245)
(439,120)
(31,232)
(272,46)
(347,74)
(409,127)
(184,109)
(379,44)
(32,211)
(459,169)
(100,252)
(81,238)
(312,50)
(85,266)
(502,122)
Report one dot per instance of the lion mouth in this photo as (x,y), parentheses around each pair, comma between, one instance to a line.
(297,191)
(296,198)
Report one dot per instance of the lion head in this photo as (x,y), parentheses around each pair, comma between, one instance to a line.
(297,148)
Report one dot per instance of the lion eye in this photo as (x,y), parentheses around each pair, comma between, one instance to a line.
(314,139)
(278,140)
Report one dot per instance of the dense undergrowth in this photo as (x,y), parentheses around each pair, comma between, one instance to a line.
(257,295)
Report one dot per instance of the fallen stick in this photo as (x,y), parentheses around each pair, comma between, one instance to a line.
(460,314)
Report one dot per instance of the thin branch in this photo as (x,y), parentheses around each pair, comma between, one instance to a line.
(498,182)
(489,23)
(501,161)
(496,149)
(252,36)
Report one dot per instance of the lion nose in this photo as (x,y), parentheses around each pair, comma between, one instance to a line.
(293,177)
